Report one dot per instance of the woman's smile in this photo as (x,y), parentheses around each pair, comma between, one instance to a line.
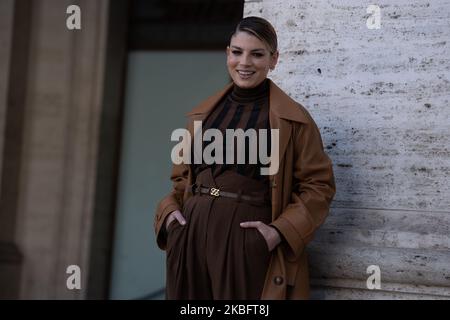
(245,74)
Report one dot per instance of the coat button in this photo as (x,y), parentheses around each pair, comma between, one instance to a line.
(278,280)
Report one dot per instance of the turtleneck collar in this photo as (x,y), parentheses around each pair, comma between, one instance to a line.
(243,95)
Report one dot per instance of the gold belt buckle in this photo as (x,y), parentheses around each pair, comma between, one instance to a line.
(214,192)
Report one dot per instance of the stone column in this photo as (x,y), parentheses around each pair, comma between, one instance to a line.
(14,38)
(56,179)
(6,27)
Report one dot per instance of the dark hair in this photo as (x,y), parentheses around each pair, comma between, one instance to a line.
(260,28)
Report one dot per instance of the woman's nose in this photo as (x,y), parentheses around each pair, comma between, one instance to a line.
(245,59)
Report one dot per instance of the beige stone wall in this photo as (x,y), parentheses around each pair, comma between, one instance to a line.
(381,99)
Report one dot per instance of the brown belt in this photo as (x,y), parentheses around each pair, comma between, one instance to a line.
(216,192)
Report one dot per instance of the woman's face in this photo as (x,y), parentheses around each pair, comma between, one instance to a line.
(249,60)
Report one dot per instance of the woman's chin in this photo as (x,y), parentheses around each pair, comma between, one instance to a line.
(244,83)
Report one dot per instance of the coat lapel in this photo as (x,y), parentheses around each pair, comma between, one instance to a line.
(283,110)
(204,108)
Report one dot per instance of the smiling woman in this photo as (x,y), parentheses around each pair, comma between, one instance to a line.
(250,55)
(231,232)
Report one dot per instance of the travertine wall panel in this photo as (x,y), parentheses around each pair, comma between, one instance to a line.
(381,100)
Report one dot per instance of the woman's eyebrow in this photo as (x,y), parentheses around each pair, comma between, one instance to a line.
(259,49)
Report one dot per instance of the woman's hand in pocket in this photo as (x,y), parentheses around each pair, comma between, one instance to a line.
(175,215)
(269,233)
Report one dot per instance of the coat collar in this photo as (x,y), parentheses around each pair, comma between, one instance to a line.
(280,104)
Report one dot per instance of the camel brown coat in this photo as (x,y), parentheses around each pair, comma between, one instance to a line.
(302,191)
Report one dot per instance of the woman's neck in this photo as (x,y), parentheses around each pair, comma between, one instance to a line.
(250,94)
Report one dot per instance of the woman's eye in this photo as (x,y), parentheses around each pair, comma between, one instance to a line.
(255,54)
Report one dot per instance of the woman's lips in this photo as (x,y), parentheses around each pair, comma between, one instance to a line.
(245,74)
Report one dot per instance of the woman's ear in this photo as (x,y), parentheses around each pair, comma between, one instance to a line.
(274,60)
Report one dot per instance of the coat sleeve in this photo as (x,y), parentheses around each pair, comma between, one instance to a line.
(312,191)
(171,202)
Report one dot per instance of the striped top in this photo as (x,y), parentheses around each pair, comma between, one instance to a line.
(240,109)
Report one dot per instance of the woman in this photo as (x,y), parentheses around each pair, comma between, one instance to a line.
(231,232)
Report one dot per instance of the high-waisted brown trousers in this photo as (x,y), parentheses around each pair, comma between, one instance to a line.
(212,256)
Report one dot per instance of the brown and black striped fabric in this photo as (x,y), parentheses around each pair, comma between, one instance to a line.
(240,109)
